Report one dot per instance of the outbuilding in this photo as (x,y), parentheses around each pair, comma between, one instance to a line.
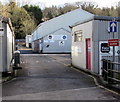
(54,36)
(6,44)
(90,43)
(28,40)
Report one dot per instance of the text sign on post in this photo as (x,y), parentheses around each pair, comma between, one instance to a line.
(113,42)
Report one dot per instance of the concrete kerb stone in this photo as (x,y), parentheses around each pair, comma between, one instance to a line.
(98,80)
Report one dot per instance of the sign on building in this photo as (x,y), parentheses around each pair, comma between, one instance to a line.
(105,48)
(50,37)
(57,37)
(61,43)
(113,42)
(113,26)
(64,37)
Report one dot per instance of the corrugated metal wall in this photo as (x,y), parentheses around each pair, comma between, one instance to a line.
(9,46)
(101,34)
(57,44)
(6,48)
(1,36)
(1,61)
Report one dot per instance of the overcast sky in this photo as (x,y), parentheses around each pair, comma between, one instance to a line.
(101,3)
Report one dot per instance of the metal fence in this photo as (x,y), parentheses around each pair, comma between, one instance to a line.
(111,71)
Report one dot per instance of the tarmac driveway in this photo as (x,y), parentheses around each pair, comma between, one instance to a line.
(48,77)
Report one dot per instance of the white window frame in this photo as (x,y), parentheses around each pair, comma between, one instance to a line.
(78,36)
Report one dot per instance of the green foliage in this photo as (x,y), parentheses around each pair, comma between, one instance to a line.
(88,6)
(51,12)
(118,11)
(25,19)
(1,6)
(35,12)
(22,22)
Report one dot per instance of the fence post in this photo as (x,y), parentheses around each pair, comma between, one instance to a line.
(110,72)
(104,74)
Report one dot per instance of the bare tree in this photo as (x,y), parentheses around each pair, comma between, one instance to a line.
(78,4)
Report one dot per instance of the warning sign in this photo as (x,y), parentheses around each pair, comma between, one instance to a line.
(50,37)
(61,43)
(64,37)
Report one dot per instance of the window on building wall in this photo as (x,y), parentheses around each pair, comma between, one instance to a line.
(78,36)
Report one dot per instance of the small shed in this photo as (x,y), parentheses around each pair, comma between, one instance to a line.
(54,36)
(20,42)
(6,44)
(90,43)
(28,40)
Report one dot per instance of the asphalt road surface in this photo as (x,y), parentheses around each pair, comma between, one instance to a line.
(49,77)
